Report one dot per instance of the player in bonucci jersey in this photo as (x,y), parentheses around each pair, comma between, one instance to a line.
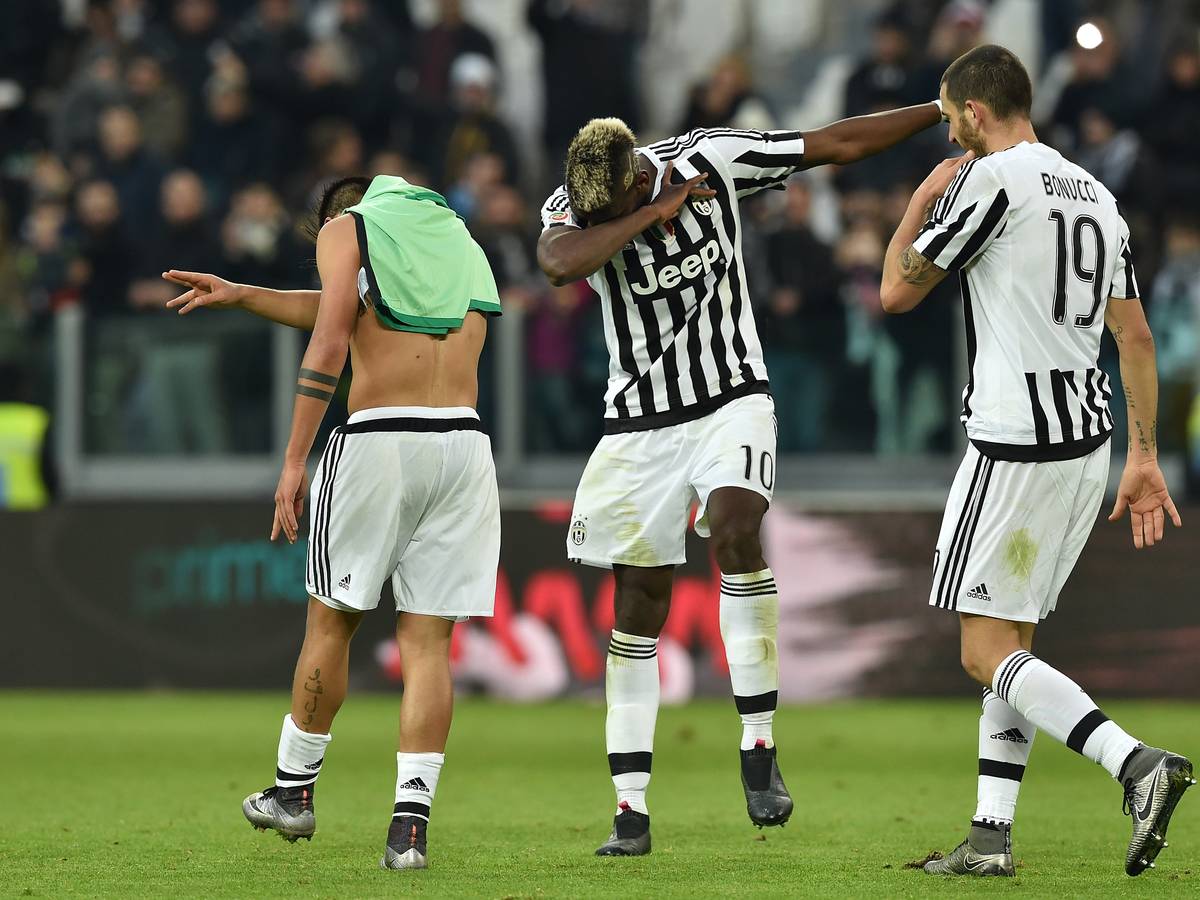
(1043,259)
(656,232)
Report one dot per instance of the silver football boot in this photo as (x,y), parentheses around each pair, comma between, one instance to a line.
(965,860)
(1150,800)
(288,810)
(406,844)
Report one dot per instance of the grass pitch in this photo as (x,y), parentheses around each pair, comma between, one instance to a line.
(138,795)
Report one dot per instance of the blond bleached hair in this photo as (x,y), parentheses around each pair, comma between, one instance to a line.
(600,161)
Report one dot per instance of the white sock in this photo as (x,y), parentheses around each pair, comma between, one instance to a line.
(631,688)
(416,782)
(749,627)
(1057,705)
(1005,740)
(300,755)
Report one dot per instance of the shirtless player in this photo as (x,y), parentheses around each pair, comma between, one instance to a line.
(411,469)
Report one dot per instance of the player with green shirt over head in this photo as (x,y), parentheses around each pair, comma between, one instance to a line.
(405,490)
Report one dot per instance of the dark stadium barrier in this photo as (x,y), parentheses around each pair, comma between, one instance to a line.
(193,595)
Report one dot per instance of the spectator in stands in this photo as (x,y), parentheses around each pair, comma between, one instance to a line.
(14,310)
(472,126)
(50,270)
(257,243)
(482,173)
(193,35)
(95,86)
(501,228)
(232,146)
(436,48)
(184,236)
(1111,154)
(727,98)
(957,29)
(426,81)
(802,325)
(1172,125)
(589,50)
(129,166)
(558,412)
(335,151)
(375,47)
(1097,79)
(916,380)
(160,105)
(1174,305)
(105,257)
(883,79)
(267,42)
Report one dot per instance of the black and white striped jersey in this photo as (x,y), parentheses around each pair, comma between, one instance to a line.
(677,317)
(1040,247)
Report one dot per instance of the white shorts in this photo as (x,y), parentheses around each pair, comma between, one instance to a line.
(1013,532)
(407,493)
(636,493)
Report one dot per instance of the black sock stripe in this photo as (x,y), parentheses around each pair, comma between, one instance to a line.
(1009,673)
(1014,670)
(746,589)
(725,582)
(757,703)
(638,761)
(1083,730)
(631,654)
(770,592)
(996,769)
(623,655)
(626,645)
(408,808)
(297,778)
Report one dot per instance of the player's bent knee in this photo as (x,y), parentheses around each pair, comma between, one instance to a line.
(979,666)
(328,622)
(736,544)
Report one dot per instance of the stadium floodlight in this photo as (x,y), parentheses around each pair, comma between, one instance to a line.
(1089,36)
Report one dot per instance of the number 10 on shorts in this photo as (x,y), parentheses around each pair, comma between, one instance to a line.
(766,466)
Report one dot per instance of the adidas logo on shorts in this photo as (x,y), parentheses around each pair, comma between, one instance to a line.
(979,593)
(1010,734)
(344,584)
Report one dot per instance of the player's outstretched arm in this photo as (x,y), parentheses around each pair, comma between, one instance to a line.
(1143,490)
(567,254)
(908,276)
(297,309)
(850,140)
(321,368)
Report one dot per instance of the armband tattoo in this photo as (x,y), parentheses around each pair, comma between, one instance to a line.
(317,393)
(319,377)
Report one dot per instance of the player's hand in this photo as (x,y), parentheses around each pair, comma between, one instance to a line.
(1143,490)
(289,501)
(203,290)
(943,173)
(672,196)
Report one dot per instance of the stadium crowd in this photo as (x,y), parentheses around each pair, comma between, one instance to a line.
(137,135)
